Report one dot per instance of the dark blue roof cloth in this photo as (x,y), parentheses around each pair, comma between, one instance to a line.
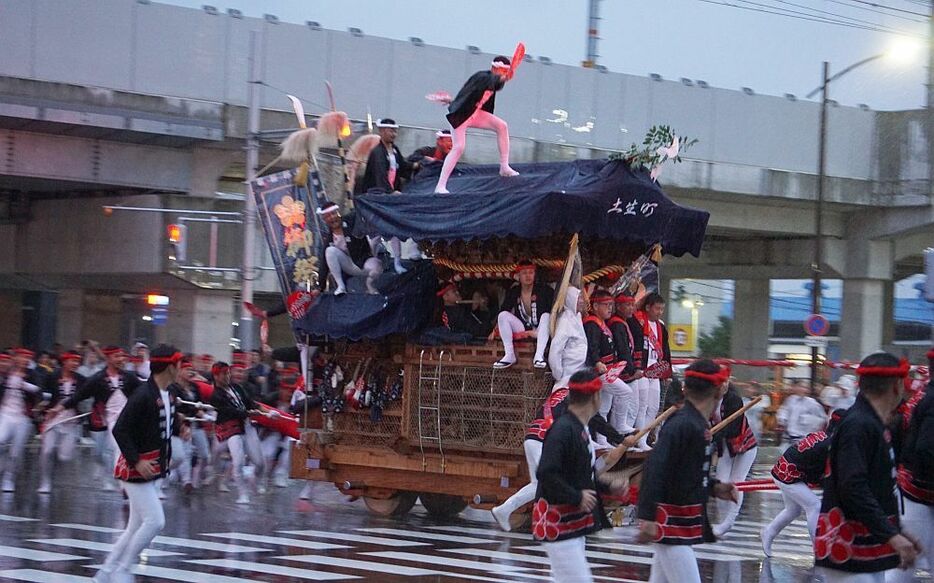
(596,198)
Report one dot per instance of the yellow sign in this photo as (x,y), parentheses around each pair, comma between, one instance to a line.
(681,338)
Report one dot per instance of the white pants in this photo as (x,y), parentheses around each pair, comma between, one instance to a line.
(15,431)
(616,400)
(509,324)
(241,447)
(481,120)
(181,458)
(526,494)
(277,449)
(835,576)
(201,446)
(145,522)
(798,498)
(918,520)
(674,564)
(569,561)
(340,263)
(102,451)
(62,440)
(732,470)
(648,393)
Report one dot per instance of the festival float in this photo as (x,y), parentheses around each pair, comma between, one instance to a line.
(394,411)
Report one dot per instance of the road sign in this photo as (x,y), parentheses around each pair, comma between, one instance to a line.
(816,325)
(815,341)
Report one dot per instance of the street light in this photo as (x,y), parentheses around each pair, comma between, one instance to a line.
(901,51)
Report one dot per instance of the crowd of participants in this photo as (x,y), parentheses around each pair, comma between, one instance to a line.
(66,398)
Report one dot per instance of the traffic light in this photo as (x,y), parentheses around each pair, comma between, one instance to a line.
(178,242)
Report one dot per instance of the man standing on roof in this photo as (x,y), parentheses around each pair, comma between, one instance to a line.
(473,108)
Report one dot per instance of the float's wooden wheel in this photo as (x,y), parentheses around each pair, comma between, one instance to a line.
(442,505)
(396,505)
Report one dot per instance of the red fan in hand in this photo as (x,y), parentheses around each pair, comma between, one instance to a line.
(517,58)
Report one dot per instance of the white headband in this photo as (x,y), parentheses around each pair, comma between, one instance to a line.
(328,209)
(441,134)
(500,65)
(381,124)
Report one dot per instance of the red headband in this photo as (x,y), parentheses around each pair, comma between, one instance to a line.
(70,356)
(524,267)
(172,359)
(185,365)
(901,371)
(5,356)
(624,299)
(445,289)
(602,300)
(238,366)
(586,387)
(24,352)
(217,368)
(718,378)
(112,351)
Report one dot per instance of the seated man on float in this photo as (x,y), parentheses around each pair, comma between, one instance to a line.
(338,253)
(457,315)
(526,313)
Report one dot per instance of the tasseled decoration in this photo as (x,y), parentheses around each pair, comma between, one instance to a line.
(300,146)
(334,125)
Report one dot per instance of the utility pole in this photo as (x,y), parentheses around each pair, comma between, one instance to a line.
(593,33)
(248,273)
(817,266)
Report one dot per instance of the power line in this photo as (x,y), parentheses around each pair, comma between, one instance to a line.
(869,22)
(886,7)
(788,12)
(875,11)
(810,17)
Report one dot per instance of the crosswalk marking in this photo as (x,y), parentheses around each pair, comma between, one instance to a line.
(448,562)
(278,540)
(37,576)
(184,575)
(94,546)
(272,569)
(88,527)
(387,568)
(465,540)
(507,556)
(11,518)
(374,540)
(492,531)
(614,557)
(619,546)
(34,555)
(206,545)
(383,567)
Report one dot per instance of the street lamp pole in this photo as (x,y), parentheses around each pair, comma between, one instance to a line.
(819,212)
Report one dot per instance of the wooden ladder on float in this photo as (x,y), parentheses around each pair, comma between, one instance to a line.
(433,407)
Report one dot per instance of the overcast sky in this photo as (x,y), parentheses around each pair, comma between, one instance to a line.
(724,45)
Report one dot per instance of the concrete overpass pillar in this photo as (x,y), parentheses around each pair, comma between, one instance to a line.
(752,325)
(864,317)
(200,321)
(867,298)
(70,324)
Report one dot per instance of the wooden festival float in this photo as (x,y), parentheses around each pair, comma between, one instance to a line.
(400,419)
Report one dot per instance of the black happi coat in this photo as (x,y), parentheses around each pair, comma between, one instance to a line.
(460,318)
(565,470)
(376,177)
(805,461)
(98,386)
(543,298)
(859,512)
(915,453)
(60,392)
(676,482)
(30,398)
(625,343)
(140,433)
(737,437)
(419,155)
(554,407)
(465,102)
(639,355)
(600,344)
(232,411)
